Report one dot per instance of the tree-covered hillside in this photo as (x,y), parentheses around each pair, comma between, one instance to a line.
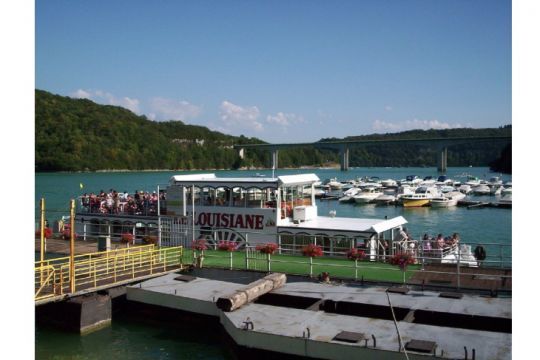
(80,135)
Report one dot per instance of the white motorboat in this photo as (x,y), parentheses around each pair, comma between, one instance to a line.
(465,188)
(481,189)
(472,181)
(348,195)
(506,191)
(367,195)
(496,190)
(495,180)
(388,196)
(506,200)
(448,200)
(446,189)
(389,183)
(335,184)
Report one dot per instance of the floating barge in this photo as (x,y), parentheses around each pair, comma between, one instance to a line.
(328,321)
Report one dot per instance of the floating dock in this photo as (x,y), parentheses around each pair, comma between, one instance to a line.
(331,321)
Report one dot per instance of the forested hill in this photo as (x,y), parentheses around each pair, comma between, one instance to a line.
(80,135)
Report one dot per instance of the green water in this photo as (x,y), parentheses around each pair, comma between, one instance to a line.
(126,339)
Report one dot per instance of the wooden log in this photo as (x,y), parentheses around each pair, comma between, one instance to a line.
(251,292)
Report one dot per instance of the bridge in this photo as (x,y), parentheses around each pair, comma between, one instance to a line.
(59,278)
(440,144)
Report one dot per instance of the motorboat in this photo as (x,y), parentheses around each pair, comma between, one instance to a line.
(411,180)
(388,196)
(481,189)
(448,200)
(421,197)
(505,201)
(389,183)
(506,191)
(495,180)
(348,195)
(405,189)
(496,190)
(472,181)
(465,188)
(335,184)
(367,195)
(446,189)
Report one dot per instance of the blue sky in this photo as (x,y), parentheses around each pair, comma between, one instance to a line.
(284,70)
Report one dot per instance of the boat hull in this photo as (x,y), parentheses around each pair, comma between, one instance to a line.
(415,202)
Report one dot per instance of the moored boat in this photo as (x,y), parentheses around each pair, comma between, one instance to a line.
(421,197)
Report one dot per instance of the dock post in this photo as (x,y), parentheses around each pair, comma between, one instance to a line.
(458,269)
(72,246)
(42,237)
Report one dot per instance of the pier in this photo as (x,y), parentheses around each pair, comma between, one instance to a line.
(336,321)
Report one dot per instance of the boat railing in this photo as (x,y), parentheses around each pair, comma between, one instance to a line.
(122,208)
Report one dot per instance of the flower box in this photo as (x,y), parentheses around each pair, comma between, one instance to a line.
(127,238)
(199,245)
(47,233)
(268,248)
(356,254)
(312,250)
(150,239)
(402,260)
(227,245)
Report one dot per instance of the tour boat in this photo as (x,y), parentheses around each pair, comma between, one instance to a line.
(248,211)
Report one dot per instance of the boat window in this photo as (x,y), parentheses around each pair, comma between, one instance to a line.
(238,197)
(207,196)
(270,198)
(223,196)
(254,198)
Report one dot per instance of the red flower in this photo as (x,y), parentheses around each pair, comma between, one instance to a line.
(227,245)
(312,250)
(199,245)
(402,260)
(47,233)
(127,237)
(269,248)
(356,254)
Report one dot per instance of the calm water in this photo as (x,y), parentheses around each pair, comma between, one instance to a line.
(129,340)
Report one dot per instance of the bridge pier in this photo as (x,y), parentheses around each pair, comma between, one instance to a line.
(275,155)
(344,158)
(442,160)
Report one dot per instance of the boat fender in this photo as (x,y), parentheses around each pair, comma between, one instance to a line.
(479,252)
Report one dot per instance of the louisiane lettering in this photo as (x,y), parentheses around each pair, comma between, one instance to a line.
(243,221)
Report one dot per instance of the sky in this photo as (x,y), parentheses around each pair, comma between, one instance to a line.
(284,71)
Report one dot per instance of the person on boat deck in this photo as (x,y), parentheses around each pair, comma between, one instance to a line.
(455,238)
(440,242)
(403,234)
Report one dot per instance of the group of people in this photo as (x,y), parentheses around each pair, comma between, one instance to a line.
(440,242)
(114,202)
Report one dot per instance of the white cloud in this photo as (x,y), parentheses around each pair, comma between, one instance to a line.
(380,125)
(103,97)
(240,118)
(170,109)
(284,120)
(388,108)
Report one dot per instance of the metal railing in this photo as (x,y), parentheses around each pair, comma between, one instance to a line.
(103,269)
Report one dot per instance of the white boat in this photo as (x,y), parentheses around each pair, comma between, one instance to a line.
(335,184)
(449,199)
(367,195)
(446,189)
(472,181)
(495,180)
(506,200)
(481,189)
(496,190)
(385,199)
(389,183)
(348,195)
(506,191)
(465,188)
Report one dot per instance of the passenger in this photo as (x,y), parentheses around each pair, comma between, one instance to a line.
(455,238)
(440,242)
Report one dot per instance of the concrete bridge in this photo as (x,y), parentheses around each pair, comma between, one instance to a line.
(343,146)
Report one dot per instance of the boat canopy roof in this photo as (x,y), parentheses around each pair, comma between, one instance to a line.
(261,182)
(344,225)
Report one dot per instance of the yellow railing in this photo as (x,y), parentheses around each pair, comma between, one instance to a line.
(103,269)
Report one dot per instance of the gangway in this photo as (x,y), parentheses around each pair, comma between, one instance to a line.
(102,270)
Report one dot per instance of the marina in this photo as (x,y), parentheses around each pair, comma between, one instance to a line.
(252,224)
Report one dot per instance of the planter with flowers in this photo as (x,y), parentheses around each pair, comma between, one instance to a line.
(402,260)
(66,235)
(227,245)
(312,250)
(150,239)
(269,248)
(127,238)
(47,233)
(198,246)
(355,255)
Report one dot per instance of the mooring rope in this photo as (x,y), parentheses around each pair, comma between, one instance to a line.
(396,325)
